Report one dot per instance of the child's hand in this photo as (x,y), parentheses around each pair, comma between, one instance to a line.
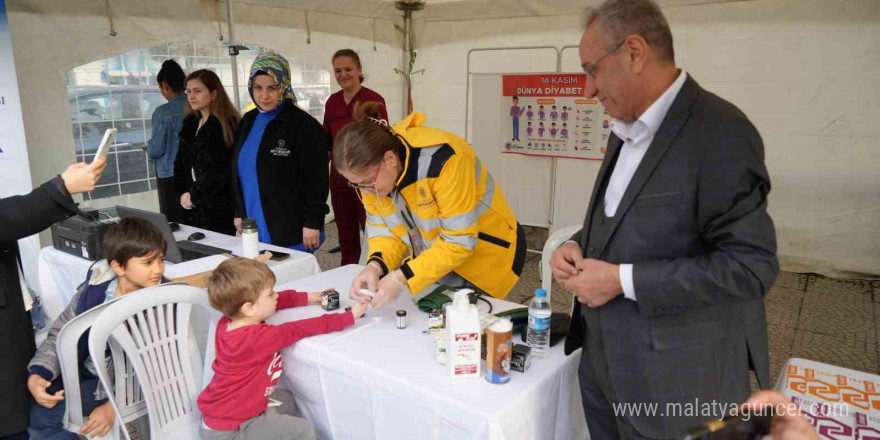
(100,421)
(37,386)
(315,297)
(358,309)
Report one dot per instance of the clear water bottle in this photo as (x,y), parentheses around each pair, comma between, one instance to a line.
(538,336)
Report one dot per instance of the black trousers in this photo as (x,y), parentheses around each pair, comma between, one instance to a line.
(23,435)
(169,200)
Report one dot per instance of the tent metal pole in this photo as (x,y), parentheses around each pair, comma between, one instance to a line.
(407,70)
(467,92)
(233,52)
(406,58)
(559,62)
(110,17)
(555,159)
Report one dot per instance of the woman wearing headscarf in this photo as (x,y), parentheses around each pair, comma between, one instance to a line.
(339,112)
(279,166)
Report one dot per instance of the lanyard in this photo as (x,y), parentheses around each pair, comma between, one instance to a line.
(415,237)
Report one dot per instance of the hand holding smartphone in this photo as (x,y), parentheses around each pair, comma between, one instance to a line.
(106,142)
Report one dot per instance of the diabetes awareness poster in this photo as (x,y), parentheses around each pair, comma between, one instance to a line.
(547,115)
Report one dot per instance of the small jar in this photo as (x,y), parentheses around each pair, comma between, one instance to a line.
(401,319)
(250,241)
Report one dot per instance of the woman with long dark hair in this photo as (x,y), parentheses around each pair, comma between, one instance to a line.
(201,171)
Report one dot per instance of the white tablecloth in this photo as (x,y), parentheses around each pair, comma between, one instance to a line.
(60,273)
(374,381)
(841,403)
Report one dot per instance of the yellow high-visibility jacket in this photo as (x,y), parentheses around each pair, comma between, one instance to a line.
(447,214)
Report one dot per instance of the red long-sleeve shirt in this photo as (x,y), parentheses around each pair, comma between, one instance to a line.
(248,362)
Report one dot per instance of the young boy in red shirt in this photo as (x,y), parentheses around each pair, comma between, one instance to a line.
(248,363)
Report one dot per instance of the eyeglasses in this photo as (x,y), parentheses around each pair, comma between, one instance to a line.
(358,187)
(590,68)
(371,185)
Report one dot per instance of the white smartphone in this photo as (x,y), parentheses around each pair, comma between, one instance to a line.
(104,148)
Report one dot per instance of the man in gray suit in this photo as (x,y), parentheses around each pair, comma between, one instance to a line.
(677,251)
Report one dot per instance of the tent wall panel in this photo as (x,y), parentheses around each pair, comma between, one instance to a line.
(802,70)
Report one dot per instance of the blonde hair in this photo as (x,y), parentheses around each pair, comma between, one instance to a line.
(237,281)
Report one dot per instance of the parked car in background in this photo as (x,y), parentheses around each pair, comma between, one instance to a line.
(95,109)
(312,99)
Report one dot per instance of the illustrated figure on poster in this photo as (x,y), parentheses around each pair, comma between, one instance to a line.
(553,130)
(515,112)
(564,115)
(529,113)
(540,129)
(541,112)
(529,129)
(564,132)
(553,114)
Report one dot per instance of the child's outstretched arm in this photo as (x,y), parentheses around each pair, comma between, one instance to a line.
(294,298)
(272,338)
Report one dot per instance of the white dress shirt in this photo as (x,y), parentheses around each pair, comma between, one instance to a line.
(637,137)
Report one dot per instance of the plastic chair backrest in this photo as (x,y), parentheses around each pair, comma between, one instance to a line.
(67,347)
(153,328)
(553,242)
(210,349)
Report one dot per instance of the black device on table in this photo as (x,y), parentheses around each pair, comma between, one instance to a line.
(83,235)
(278,256)
(178,251)
(195,236)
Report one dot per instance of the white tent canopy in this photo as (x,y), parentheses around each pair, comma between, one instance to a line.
(804,71)
(452,10)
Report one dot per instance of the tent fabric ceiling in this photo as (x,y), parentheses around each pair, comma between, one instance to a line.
(453,10)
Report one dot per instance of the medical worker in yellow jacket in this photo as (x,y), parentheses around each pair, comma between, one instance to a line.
(434,213)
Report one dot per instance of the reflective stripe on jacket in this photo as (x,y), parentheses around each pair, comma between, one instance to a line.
(447,215)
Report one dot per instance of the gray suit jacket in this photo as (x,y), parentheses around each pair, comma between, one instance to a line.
(694,223)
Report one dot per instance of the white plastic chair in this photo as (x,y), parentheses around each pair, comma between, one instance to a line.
(553,242)
(210,349)
(68,360)
(153,327)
